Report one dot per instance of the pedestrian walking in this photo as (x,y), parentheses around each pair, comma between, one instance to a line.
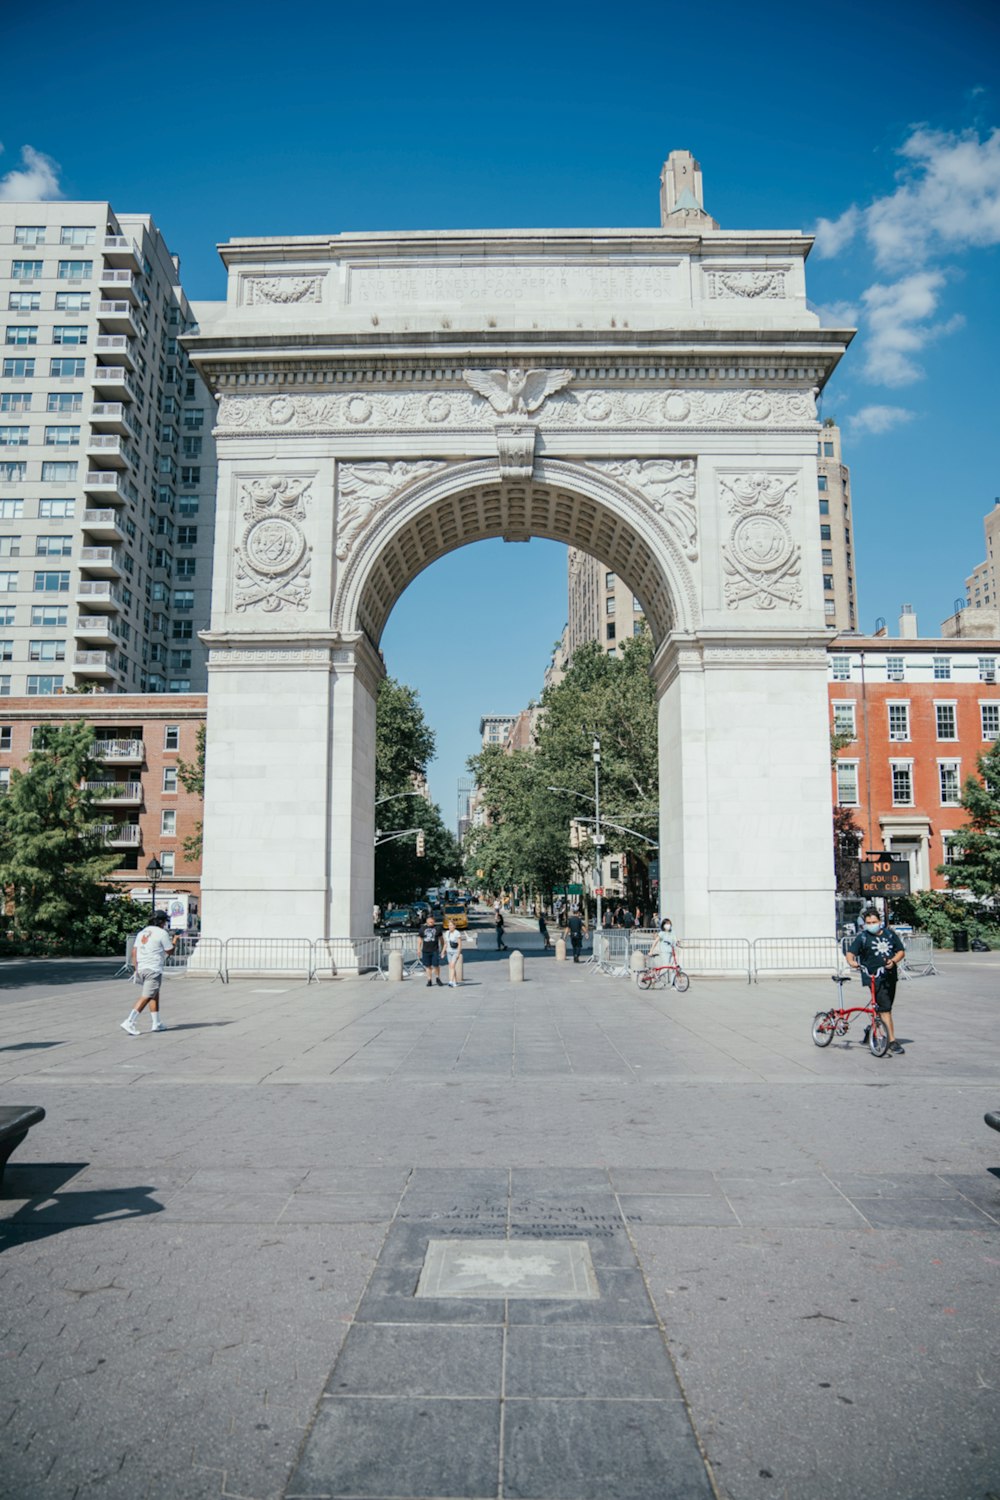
(430,950)
(543,929)
(576,928)
(664,945)
(877,952)
(452,952)
(149,952)
(499,927)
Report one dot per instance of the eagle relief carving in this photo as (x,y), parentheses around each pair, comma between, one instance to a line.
(273,558)
(516,390)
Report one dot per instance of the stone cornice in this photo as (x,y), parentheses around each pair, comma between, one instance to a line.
(286,650)
(722,650)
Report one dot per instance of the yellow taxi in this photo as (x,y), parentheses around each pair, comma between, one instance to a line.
(454,913)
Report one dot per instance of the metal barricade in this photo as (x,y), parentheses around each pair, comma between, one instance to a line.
(352,955)
(715,956)
(406,943)
(795,955)
(919,960)
(198,956)
(267,956)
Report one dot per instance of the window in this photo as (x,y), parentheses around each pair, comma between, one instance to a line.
(56,510)
(48,614)
(828,557)
(18,369)
(75,270)
(827,450)
(76,234)
(196,420)
(5,736)
(167,861)
(191,447)
(10,546)
(6,650)
(46,650)
(942,669)
(902,783)
(8,583)
(168,823)
(25,270)
(828,580)
(15,401)
(843,719)
(69,333)
(187,536)
(22,333)
(944,714)
(170,778)
(948,776)
(847,783)
(4,686)
(13,437)
(62,437)
(51,583)
(67,369)
(841,668)
(4,777)
(64,401)
(7,613)
(987,669)
(180,661)
(184,599)
(43,687)
(55,472)
(182,630)
(824,536)
(172,736)
(609,631)
(53,546)
(899,721)
(185,567)
(191,475)
(894,668)
(11,510)
(951,852)
(821,482)
(29,234)
(76,302)
(24,301)
(187,505)
(990,715)
(609,604)
(824,507)
(829,607)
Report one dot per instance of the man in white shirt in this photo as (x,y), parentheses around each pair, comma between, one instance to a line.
(149,952)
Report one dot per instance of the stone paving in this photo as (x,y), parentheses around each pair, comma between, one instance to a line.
(211,1250)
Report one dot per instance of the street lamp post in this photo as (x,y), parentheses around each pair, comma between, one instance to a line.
(154,870)
(598,841)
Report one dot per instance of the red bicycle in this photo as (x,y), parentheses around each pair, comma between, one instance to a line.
(836,1022)
(657,976)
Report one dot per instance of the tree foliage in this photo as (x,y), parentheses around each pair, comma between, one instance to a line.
(975,848)
(404,746)
(52,853)
(526,841)
(846,842)
(191,775)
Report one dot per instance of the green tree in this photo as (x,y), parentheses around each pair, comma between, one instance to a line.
(404,747)
(191,775)
(846,842)
(52,853)
(975,864)
(526,840)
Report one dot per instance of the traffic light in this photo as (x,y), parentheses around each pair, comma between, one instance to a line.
(420,843)
(574,834)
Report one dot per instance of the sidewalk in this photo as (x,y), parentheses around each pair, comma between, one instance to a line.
(211,1246)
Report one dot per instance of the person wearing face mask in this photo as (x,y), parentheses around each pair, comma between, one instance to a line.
(663,945)
(878,951)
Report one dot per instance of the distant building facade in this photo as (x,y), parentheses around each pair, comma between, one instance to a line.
(493,728)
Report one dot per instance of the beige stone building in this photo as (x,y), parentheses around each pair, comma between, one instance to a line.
(107,463)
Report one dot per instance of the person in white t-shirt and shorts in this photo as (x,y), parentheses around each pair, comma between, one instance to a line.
(149,952)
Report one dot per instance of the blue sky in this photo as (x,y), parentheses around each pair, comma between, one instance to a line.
(877,119)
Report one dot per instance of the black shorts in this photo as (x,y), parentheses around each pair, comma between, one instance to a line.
(885,989)
(430,958)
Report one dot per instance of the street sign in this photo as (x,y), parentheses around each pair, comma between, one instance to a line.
(567,890)
(599,890)
(884,876)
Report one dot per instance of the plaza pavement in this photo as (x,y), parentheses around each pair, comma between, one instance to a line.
(209,1249)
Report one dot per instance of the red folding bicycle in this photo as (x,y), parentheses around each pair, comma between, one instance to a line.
(836,1022)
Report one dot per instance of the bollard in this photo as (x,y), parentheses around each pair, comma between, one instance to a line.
(516,963)
(560,950)
(636,962)
(459,968)
(395,965)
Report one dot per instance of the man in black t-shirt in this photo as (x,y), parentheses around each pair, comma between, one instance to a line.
(576,931)
(430,950)
(878,951)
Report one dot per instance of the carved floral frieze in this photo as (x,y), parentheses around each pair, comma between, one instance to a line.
(762,562)
(750,284)
(363,489)
(273,556)
(280,290)
(669,487)
(632,410)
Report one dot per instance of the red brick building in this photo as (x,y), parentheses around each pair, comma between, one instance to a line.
(918,713)
(138,740)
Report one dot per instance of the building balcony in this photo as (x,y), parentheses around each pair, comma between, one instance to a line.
(116,316)
(109,415)
(119,752)
(114,380)
(108,484)
(95,630)
(122,252)
(118,793)
(115,346)
(94,664)
(97,594)
(103,524)
(100,562)
(121,835)
(106,448)
(119,283)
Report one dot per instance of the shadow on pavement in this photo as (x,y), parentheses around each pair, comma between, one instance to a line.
(46,1212)
(22,973)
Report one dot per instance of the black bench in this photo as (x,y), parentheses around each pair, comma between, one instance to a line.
(15,1122)
(993,1119)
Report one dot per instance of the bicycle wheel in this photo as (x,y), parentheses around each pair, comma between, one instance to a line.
(682,982)
(824,1026)
(646,979)
(878,1039)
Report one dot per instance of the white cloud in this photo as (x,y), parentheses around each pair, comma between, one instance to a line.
(833,235)
(898,326)
(836,314)
(878,419)
(948,198)
(37,180)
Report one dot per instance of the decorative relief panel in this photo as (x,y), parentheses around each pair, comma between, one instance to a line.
(746,284)
(362,489)
(240,656)
(282,289)
(523,281)
(580,410)
(273,558)
(516,390)
(669,486)
(762,562)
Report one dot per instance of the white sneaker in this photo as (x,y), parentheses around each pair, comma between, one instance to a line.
(158,1026)
(451,984)
(130,1027)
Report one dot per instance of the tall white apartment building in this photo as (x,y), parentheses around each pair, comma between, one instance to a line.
(107,463)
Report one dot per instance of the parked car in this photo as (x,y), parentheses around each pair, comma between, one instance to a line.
(455,913)
(400,919)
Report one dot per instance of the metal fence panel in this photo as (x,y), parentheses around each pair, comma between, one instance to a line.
(269,956)
(715,956)
(198,955)
(919,960)
(356,955)
(795,955)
